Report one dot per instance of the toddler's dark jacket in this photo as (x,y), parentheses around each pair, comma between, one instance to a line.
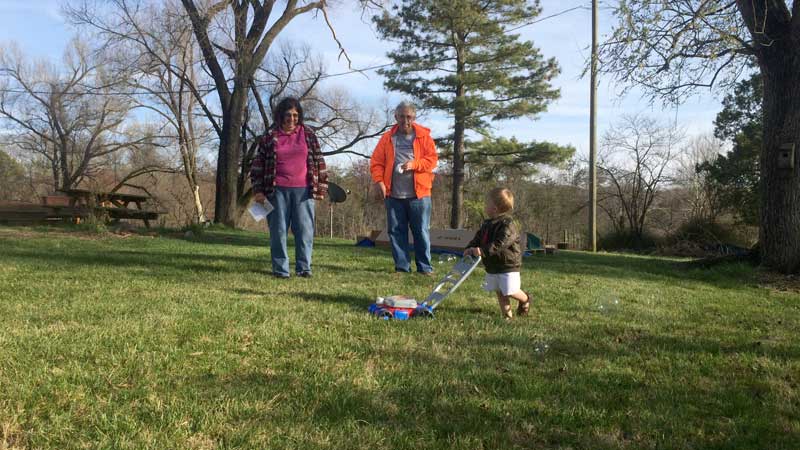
(499,242)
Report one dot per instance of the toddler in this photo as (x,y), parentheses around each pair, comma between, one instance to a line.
(498,244)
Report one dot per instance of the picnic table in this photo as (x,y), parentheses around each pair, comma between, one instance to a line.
(115,204)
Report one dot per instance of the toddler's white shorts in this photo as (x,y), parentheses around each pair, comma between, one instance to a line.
(507,283)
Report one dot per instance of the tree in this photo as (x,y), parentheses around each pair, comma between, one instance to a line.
(156,42)
(70,117)
(12,175)
(634,163)
(507,159)
(232,56)
(672,48)
(463,58)
(697,186)
(237,47)
(734,177)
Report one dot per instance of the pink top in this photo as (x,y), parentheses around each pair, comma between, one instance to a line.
(291,159)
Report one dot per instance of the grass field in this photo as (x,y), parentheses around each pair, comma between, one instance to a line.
(162,342)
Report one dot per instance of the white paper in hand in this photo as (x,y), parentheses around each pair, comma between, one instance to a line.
(259,211)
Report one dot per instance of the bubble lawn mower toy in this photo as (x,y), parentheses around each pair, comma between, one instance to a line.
(402,307)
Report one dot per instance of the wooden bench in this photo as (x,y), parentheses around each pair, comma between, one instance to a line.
(547,250)
(113,204)
(128,213)
(26,213)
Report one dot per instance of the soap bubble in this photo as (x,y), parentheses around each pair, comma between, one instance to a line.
(541,347)
(446,258)
(607,302)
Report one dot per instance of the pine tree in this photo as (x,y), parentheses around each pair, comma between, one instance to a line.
(462,57)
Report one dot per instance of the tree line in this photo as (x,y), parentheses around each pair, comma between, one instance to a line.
(158,89)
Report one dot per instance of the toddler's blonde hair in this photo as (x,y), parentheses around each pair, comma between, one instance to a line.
(502,199)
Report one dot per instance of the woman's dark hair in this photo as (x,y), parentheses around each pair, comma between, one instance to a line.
(285,105)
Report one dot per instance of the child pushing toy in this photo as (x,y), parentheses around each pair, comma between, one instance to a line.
(498,244)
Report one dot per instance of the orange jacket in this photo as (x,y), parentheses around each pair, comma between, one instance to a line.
(381,165)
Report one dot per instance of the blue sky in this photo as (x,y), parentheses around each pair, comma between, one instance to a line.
(38,28)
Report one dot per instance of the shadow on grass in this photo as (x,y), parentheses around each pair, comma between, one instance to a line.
(510,399)
(573,376)
(191,262)
(235,238)
(244,238)
(354,302)
(339,269)
(618,266)
(358,259)
(336,405)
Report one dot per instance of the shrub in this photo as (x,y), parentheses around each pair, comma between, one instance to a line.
(703,237)
(92,225)
(626,240)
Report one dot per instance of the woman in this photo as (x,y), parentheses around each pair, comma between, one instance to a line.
(289,172)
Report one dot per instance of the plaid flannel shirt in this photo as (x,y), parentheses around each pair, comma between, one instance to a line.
(263,170)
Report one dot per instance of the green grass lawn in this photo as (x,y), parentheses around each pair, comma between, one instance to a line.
(171,343)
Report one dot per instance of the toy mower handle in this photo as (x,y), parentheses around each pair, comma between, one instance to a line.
(452,280)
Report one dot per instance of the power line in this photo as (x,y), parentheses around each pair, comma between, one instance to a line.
(321,77)
(201,90)
(560,13)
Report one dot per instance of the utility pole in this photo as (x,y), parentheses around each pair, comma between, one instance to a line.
(593,137)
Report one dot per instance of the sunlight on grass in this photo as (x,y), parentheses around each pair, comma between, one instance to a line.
(164,342)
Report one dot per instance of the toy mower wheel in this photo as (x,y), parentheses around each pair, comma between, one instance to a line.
(385,314)
(424,313)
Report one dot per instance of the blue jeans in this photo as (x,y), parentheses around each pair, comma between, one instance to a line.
(402,214)
(294,208)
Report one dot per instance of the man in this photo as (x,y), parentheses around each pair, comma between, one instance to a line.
(402,166)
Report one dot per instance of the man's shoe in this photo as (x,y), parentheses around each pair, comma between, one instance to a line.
(304,274)
(427,274)
(280,275)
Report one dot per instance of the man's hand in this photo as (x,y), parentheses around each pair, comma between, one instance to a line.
(382,187)
(259,198)
(408,165)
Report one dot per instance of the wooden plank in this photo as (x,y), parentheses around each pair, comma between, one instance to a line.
(55,200)
(44,209)
(454,240)
(31,213)
(105,196)
(127,213)
(39,213)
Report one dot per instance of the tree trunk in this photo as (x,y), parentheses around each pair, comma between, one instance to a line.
(64,166)
(228,159)
(190,173)
(243,195)
(457,200)
(780,188)
(188,145)
(54,166)
(198,205)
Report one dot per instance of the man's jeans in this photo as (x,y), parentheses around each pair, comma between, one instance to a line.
(294,207)
(416,213)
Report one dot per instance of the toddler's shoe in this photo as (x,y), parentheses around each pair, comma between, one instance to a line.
(523,308)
